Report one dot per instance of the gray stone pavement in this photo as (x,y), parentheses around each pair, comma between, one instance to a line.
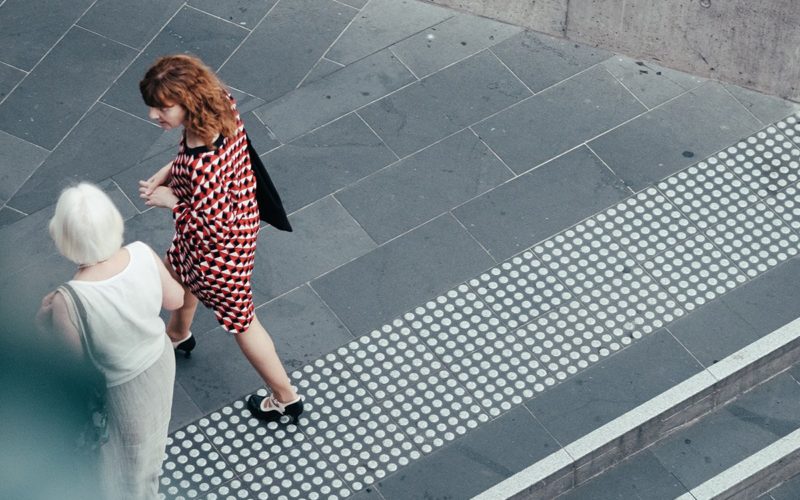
(497,232)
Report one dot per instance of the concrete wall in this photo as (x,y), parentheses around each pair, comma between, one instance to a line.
(753,43)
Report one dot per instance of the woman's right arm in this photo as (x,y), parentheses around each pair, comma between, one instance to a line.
(160,178)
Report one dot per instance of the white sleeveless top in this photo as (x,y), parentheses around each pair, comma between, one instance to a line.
(126,333)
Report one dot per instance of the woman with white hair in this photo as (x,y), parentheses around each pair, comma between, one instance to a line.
(122,291)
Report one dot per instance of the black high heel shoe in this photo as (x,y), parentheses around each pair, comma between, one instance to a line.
(186,345)
(275,409)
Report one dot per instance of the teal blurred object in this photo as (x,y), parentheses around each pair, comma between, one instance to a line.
(41,414)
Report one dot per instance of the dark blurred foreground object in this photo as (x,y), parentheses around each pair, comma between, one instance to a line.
(42,413)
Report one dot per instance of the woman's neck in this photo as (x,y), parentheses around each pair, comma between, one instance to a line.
(195,141)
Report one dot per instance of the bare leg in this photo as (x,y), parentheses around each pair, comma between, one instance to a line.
(258,348)
(180,321)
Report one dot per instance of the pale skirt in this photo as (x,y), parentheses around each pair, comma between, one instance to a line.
(138,422)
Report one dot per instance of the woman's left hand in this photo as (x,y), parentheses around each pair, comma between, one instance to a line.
(162,196)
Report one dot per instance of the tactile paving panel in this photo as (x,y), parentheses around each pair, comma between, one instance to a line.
(767,161)
(707,192)
(435,411)
(192,467)
(786,205)
(351,430)
(244,441)
(520,289)
(607,281)
(695,272)
(570,339)
(301,473)
(389,360)
(646,224)
(790,127)
(755,240)
(454,324)
(504,373)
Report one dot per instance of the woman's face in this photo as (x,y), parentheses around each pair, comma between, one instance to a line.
(168,117)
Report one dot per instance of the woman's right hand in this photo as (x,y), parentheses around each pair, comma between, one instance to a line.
(160,178)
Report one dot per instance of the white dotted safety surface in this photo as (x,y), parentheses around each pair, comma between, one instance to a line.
(446,367)
(695,272)
(607,281)
(245,442)
(454,324)
(520,289)
(767,161)
(646,224)
(708,192)
(755,240)
(352,431)
(192,467)
(786,204)
(389,360)
(503,374)
(300,474)
(435,411)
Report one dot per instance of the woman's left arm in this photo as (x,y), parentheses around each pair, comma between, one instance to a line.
(60,323)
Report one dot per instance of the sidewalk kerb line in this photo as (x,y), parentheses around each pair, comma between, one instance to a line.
(673,408)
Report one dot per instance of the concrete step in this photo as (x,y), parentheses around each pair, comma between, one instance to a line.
(659,433)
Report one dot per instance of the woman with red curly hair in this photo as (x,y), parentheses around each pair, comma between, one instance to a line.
(210,187)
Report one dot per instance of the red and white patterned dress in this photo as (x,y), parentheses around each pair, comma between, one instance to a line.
(216,226)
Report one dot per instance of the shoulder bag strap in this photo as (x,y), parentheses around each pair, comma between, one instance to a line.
(78,313)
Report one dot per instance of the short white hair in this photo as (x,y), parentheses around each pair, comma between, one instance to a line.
(86,228)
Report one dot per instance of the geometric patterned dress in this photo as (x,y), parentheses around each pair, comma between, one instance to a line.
(216,226)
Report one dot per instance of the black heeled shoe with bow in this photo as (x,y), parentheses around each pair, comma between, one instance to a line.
(272,410)
(186,345)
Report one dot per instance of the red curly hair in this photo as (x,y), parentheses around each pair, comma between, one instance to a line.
(184,80)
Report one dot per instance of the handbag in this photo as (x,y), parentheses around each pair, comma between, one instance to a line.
(270,207)
(94,432)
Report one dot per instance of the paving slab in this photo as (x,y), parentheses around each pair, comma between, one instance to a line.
(487,456)
(283,41)
(713,332)
(245,13)
(559,119)
(536,205)
(768,302)
(102,144)
(19,159)
(130,23)
(302,326)
(443,103)
(189,31)
(450,41)
(541,61)
(650,83)
(423,186)
(9,78)
(325,161)
(674,136)
(184,411)
(613,386)
(28,29)
(325,237)
(25,242)
(767,108)
(323,68)
(334,96)
(388,281)
(382,23)
(37,111)
(9,216)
